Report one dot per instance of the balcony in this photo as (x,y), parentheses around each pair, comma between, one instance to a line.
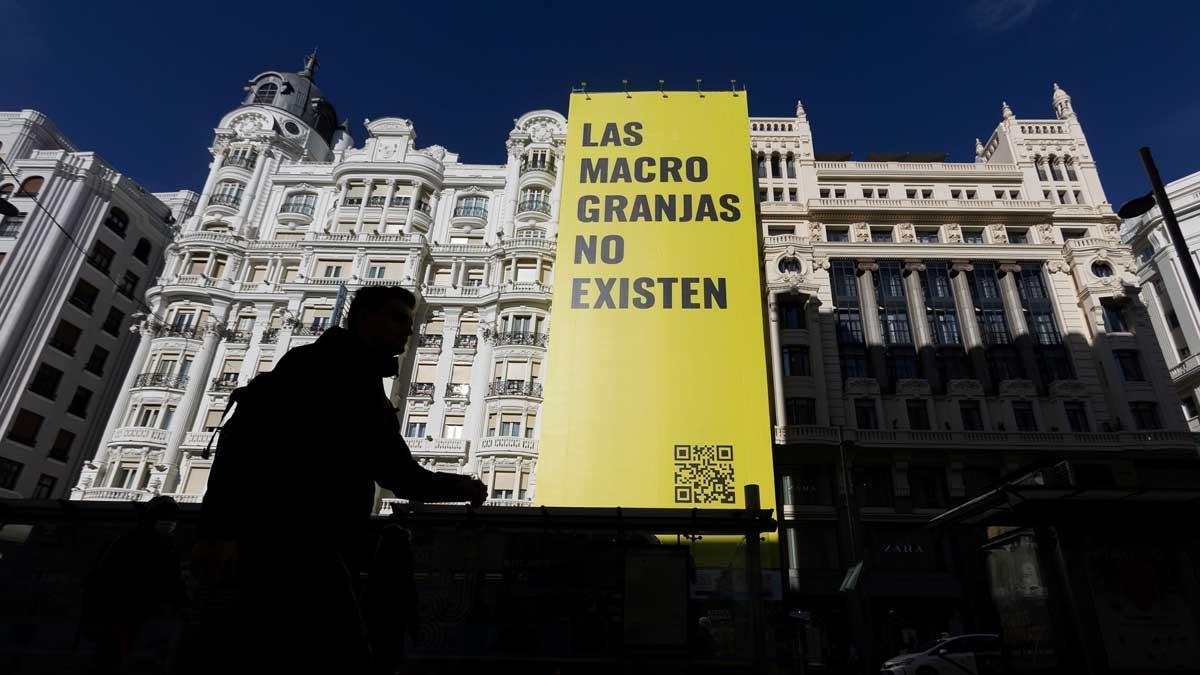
(452,291)
(246,162)
(541,167)
(197,439)
(300,213)
(519,338)
(1050,441)
(238,336)
(161,380)
(312,330)
(376,201)
(940,205)
(469,215)
(533,207)
(515,388)
(139,435)
(231,201)
(468,342)
(458,390)
(224,384)
(956,170)
(534,244)
(186,331)
(421,390)
(438,448)
(1185,368)
(508,445)
(433,341)
(115,495)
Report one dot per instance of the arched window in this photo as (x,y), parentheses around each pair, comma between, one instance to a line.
(775,168)
(1039,163)
(1070,164)
(117,221)
(142,250)
(1102,269)
(791,165)
(762,166)
(1055,168)
(789,264)
(31,186)
(266,93)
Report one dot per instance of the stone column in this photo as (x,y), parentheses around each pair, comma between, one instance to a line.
(167,473)
(816,351)
(412,207)
(872,332)
(368,188)
(209,183)
(555,202)
(512,187)
(387,205)
(251,191)
(776,364)
(923,340)
(968,326)
(1015,315)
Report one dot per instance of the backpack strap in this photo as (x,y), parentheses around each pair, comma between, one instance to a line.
(233,396)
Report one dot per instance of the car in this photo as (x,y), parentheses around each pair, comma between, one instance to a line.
(974,654)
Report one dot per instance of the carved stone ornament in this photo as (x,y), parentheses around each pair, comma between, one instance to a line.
(515,148)
(541,132)
(908,233)
(954,233)
(862,232)
(965,388)
(821,263)
(1045,233)
(1067,389)
(865,386)
(386,150)
(1110,231)
(912,387)
(435,151)
(999,233)
(815,232)
(1017,388)
(247,124)
(1058,267)
(792,279)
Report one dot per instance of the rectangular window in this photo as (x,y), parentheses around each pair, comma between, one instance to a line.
(800,410)
(791,191)
(149,416)
(1114,318)
(864,413)
(45,381)
(928,487)
(1145,415)
(1077,420)
(796,361)
(510,425)
(453,426)
(95,362)
(84,296)
(881,235)
(66,337)
(918,415)
(927,236)
(873,486)
(112,323)
(10,472)
(45,487)
(1023,416)
(1190,409)
(791,313)
(972,235)
(129,285)
(837,234)
(416,426)
(1018,236)
(809,485)
(79,402)
(61,449)
(101,257)
(332,271)
(972,417)
(212,419)
(25,427)
(1131,367)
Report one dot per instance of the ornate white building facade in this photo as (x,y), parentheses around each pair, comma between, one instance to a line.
(1173,309)
(293,215)
(74,261)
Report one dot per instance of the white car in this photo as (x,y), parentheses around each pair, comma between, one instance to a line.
(975,654)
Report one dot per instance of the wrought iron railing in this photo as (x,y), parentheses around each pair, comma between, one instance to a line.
(303,209)
(534,205)
(424,389)
(165,380)
(270,336)
(534,166)
(225,199)
(458,390)
(466,341)
(433,341)
(522,338)
(241,161)
(223,383)
(470,212)
(515,388)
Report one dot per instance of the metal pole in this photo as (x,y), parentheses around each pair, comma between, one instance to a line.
(1168,214)
(754,581)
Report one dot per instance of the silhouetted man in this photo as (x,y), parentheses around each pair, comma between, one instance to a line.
(292,487)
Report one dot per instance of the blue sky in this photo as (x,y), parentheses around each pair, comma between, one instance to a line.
(145,85)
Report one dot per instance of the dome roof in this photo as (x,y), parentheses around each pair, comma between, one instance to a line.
(1059,94)
(295,93)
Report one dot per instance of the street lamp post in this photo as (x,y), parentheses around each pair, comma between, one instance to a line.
(1158,196)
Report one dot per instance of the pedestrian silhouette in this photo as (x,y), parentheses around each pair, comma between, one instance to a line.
(288,501)
(137,579)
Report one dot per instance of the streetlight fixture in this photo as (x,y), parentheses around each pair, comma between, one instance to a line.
(1158,197)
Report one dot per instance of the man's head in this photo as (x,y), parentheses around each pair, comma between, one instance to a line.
(383,317)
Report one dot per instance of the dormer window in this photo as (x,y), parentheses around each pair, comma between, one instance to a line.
(266,94)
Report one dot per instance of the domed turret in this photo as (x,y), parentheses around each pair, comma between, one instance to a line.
(298,94)
(1062,103)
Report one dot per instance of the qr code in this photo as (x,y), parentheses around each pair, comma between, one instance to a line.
(704,474)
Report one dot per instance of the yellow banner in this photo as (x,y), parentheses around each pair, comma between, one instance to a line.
(656,391)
